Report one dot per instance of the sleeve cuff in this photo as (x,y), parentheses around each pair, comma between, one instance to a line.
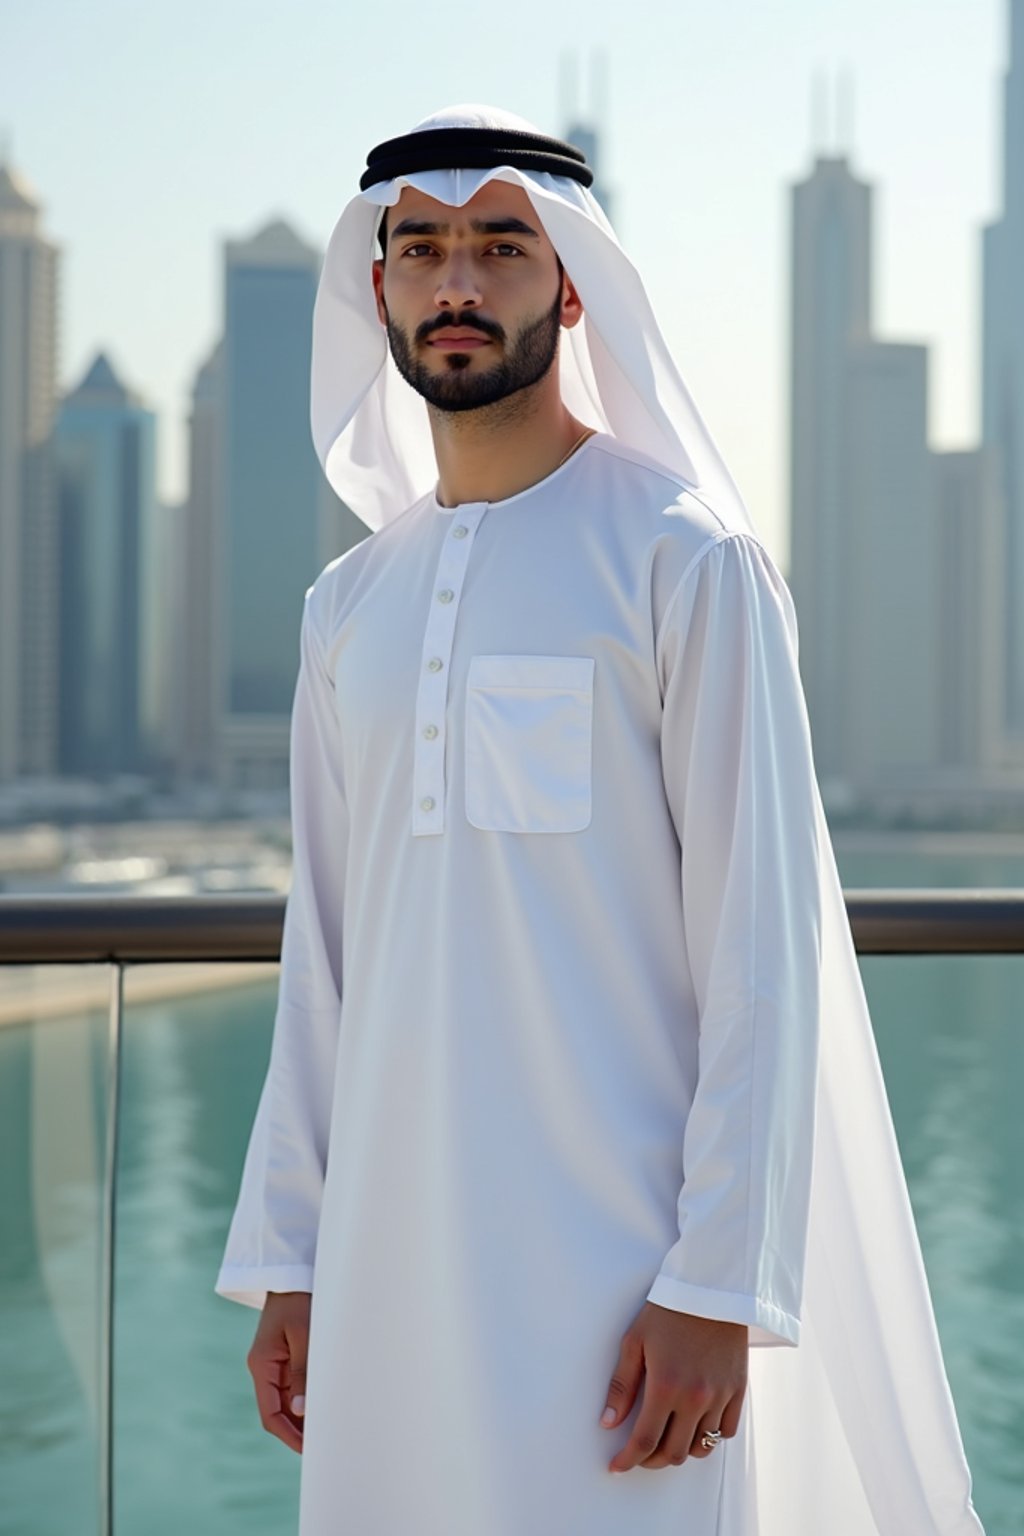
(250,1285)
(767,1323)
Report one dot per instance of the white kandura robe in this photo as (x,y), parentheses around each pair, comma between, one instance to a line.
(548,1025)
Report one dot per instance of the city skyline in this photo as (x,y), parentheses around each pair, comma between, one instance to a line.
(865,472)
(153,305)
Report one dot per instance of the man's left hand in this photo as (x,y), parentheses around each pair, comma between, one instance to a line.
(696,1377)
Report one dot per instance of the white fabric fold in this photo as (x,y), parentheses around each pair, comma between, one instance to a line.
(739,780)
(272,1240)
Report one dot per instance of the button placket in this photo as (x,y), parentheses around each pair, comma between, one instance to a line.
(428,790)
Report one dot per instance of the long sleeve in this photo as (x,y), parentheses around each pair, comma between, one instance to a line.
(271,1244)
(739,778)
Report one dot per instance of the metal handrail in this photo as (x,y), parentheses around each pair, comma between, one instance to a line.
(61,929)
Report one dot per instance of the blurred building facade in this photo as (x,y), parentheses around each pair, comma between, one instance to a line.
(971,650)
(113,613)
(29,275)
(1003,368)
(896,550)
(585,128)
(889,711)
(281,521)
(200,633)
(830,307)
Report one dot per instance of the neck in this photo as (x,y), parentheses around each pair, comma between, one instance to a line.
(499,450)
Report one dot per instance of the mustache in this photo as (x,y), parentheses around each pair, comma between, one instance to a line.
(468,322)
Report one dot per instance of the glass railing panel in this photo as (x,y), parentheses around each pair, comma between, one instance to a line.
(950,1032)
(191,1453)
(54,1027)
(188,1443)
(951,1046)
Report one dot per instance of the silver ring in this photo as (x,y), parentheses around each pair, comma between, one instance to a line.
(710,1438)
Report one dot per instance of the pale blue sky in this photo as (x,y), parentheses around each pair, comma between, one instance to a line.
(154,132)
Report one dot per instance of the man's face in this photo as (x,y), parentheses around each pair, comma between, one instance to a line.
(472,298)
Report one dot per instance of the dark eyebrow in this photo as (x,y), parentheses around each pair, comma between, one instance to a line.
(503,227)
(479,226)
(418,227)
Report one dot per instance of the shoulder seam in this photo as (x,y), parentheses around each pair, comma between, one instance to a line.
(310,627)
(710,543)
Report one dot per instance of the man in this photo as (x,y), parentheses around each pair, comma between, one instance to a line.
(558,1153)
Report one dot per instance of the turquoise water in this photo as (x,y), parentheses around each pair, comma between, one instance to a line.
(190,1451)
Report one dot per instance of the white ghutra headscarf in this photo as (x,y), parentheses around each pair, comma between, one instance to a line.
(855,1430)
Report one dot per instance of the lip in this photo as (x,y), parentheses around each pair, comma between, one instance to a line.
(459,343)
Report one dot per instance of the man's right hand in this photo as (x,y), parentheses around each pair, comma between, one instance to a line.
(277,1364)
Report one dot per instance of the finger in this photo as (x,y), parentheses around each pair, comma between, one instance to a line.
(282,1428)
(674,1446)
(648,1429)
(625,1382)
(731,1416)
(269,1402)
(296,1393)
(711,1420)
(688,1410)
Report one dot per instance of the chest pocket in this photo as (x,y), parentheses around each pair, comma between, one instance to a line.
(529,726)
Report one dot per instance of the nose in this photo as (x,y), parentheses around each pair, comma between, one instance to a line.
(457,286)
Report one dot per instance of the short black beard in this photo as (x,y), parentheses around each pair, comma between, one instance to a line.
(525,363)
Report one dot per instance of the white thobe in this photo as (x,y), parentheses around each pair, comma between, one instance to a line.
(547,1034)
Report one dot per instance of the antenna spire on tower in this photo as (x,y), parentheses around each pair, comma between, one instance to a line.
(567,85)
(819,112)
(599,86)
(845,105)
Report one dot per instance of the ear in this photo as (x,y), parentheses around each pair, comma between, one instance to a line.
(572,305)
(377,273)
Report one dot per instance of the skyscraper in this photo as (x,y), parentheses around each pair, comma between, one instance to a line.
(271,539)
(584,129)
(111,679)
(970,649)
(28,498)
(587,136)
(830,313)
(200,616)
(1003,363)
(886,694)
(868,561)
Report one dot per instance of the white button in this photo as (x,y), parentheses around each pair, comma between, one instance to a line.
(435,663)
(460,531)
(427,804)
(430,731)
(445,596)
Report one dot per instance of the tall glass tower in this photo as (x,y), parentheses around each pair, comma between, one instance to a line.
(29,274)
(830,314)
(109,583)
(1003,361)
(273,495)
